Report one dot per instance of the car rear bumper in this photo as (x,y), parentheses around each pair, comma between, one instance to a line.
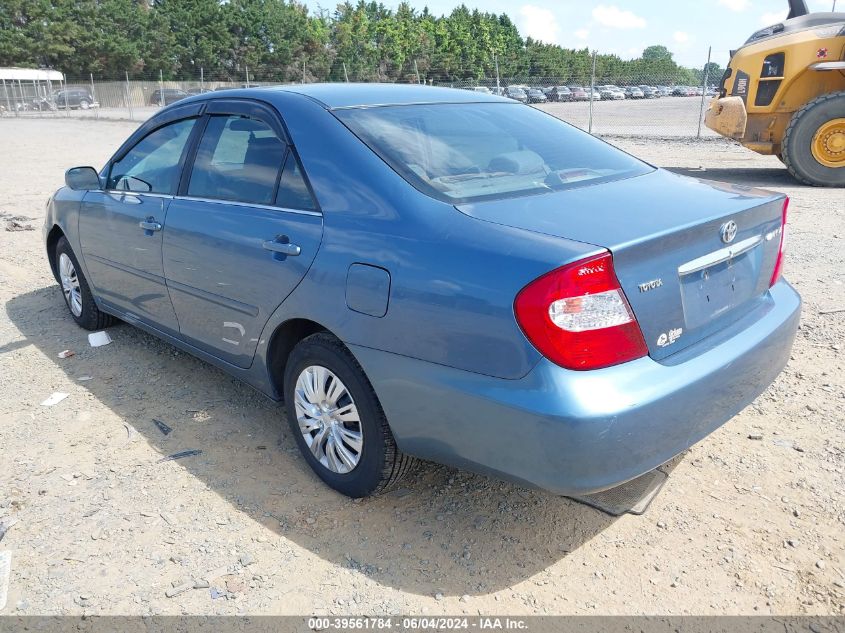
(575,432)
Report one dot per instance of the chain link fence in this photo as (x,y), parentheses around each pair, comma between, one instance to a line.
(646,105)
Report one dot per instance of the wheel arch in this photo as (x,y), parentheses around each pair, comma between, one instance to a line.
(53,237)
(284,338)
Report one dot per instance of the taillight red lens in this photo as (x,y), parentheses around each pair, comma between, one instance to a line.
(779,261)
(578,317)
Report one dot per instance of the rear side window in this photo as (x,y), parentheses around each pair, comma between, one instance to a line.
(293,192)
(238,159)
(465,152)
(152,166)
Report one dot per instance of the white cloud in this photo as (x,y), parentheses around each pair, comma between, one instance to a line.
(539,24)
(735,5)
(582,34)
(772,17)
(680,37)
(615,18)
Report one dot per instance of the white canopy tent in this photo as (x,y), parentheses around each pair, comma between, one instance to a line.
(22,88)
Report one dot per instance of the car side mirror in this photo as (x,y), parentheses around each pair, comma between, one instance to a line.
(82,179)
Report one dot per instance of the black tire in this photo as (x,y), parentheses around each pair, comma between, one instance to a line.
(90,318)
(381,464)
(797,140)
(84,104)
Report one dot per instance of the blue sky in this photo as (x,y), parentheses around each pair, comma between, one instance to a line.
(625,27)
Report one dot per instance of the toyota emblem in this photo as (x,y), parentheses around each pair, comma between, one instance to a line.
(728,231)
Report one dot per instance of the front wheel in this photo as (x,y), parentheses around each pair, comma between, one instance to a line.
(813,148)
(337,420)
(84,104)
(76,290)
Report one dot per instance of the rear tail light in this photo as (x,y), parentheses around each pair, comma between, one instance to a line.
(578,317)
(779,261)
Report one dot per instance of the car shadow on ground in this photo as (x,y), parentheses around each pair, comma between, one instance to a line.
(771,178)
(444,531)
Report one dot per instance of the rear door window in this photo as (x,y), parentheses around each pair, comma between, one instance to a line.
(238,159)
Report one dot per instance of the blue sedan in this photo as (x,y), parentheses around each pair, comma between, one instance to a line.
(429,273)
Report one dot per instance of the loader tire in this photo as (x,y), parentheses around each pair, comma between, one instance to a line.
(813,147)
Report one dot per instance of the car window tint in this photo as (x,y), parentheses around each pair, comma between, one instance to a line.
(238,159)
(293,192)
(153,164)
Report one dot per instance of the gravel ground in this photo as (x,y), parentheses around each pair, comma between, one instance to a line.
(750,521)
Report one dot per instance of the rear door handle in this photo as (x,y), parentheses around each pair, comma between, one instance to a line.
(283,248)
(150,224)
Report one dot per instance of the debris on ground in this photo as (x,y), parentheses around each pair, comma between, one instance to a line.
(5,524)
(18,223)
(180,455)
(98,339)
(67,353)
(166,430)
(54,399)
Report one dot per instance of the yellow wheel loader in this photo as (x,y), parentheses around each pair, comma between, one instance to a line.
(783,93)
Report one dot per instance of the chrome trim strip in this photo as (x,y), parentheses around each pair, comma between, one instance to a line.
(135,194)
(717,257)
(237,203)
(126,269)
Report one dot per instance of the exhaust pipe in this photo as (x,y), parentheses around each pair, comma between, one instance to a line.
(797,8)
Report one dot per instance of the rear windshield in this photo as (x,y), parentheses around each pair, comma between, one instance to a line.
(467,152)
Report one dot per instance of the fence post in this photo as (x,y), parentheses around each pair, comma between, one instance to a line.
(303,71)
(592,87)
(496,62)
(8,100)
(129,98)
(202,80)
(345,74)
(94,97)
(703,91)
(161,100)
(246,69)
(64,92)
(417,71)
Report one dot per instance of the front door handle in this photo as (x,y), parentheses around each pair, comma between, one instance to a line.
(282,247)
(150,224)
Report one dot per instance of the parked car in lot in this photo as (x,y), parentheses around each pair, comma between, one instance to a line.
(518,298)
(649,92)
(74,98)
(610,92)
(579,93)
(632,92)
(166,96)
(516,93)
(535,95)
(482,89)
(558,93)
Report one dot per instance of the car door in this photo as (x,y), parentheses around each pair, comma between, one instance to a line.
(121,227)
(242,233)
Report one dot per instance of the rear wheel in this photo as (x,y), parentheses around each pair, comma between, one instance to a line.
(337,420)
(813,148)
(76,291)
(84,104)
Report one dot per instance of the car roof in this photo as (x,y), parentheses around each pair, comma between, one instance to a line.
(352,95)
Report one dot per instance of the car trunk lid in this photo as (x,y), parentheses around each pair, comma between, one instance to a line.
(692,256)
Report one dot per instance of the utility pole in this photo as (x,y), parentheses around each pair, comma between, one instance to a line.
(345,74)
(417,70)
(496,61)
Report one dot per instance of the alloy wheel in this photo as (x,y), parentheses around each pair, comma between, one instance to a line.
(70,285)
(328,419)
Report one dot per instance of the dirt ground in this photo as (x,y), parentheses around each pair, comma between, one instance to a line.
(750,521)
